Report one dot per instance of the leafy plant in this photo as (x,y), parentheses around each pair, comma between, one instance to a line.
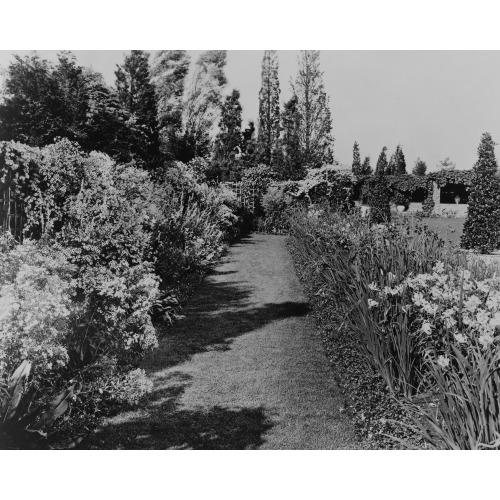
(21,425)
(463,412)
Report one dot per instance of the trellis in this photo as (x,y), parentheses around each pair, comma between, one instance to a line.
(248,197)
(11,213)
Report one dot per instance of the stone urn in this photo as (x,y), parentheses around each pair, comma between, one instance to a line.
(400,208)
(457,199)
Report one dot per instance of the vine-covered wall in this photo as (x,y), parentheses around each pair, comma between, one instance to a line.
(403,188)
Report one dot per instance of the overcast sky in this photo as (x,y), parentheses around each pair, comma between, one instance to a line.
(435,103)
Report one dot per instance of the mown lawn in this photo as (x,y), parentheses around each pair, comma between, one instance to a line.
(450,229)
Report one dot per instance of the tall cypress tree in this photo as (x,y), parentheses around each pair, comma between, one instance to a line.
(269,108)
(481,228)
(356,160)
(292,166)
(366,168)
(397,163)
(315,131)
(382,165)
(378,199)
(400,162)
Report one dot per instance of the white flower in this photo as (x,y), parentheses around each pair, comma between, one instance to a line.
(390,277)
(448,313)
(482,317)
(430,309)
(472,303)
(449,322)
(486,339)
(372,303)
(493,301)
(483,287)
(438,268)
(443,361)
(373,287)
(495,321)
(418,299)
(460,338)
(426,328)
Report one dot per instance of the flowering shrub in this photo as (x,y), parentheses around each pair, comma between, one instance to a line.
(327,184)
(106,233)
(78,304)
(35,305)
(60,171)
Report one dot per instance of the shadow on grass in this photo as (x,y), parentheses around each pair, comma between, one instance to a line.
(166,426)
(217,314)
(220,311)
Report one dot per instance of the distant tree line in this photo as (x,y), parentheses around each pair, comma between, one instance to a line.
(159,112)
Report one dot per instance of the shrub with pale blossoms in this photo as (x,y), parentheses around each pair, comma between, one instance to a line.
(35,308)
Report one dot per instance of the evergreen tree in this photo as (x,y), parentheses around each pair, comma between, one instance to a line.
(391,166)
(137,95)
(356,160)
(168,74)
(249,157)
(378,197)
(291,164)
(382,165)
(400,161)
(481,228)
(420,168)
(366,168)
(315,131)
(269,108)
(229,139)
(397,163)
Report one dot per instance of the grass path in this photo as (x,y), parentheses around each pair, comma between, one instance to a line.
(244,370)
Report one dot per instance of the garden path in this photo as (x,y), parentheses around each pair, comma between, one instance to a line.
(244,370)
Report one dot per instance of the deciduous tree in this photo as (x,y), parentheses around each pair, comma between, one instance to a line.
(203,102)
(168,75)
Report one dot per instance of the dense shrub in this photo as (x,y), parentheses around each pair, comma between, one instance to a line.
(378,200)
(276,203)
(481,228)
(78,304)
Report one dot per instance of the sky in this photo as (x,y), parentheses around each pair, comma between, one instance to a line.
(436,104)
